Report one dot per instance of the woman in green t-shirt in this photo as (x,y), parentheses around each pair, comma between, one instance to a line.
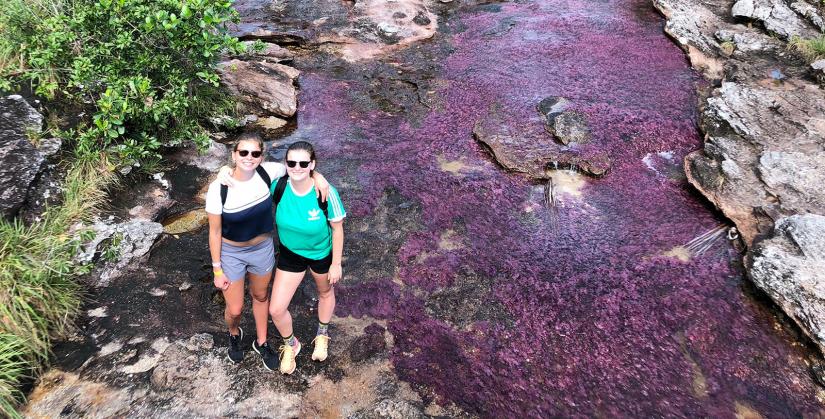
(311,238)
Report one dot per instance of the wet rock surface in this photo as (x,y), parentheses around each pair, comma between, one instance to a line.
(790,267)
(20,160)
(523,150)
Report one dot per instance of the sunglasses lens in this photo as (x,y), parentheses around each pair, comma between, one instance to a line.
(292,163)
(255,154)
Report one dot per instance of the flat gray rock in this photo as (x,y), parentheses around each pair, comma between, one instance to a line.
(776,15)
(790,268)
(762,153)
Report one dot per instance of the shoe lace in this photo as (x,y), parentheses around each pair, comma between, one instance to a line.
(285,350)
(234,341)
(321,340)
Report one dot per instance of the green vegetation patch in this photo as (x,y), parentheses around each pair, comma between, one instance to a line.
(145,69)
(38,294)
(810,49)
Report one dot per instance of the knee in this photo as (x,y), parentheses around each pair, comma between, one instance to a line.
(234,310)
(260,297)
(329,292)
(276,311)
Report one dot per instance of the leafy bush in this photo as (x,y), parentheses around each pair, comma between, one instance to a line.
(146,68)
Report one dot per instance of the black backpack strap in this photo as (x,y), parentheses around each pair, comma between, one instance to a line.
(224,191)
(278,191)
(323,205)
(264,175)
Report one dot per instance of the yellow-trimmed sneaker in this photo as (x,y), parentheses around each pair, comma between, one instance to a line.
(288,354)
(321,343)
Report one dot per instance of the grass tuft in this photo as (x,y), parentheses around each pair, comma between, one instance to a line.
(810,49)
(38,294)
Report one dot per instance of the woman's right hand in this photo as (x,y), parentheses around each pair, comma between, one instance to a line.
(221,281)
(225,176)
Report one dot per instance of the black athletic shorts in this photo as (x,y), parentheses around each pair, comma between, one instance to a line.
(292,262)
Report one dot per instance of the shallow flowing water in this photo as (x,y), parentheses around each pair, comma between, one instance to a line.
(598,305)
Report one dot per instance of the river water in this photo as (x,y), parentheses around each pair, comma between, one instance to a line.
(501,304)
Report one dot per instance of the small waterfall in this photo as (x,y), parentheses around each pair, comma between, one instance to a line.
(701,243)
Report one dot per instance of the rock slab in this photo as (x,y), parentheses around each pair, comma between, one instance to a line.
(790,268)
(20,160)
(268,88)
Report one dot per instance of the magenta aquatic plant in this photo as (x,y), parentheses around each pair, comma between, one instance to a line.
(608,312)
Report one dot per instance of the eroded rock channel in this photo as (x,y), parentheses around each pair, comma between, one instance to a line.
(469,290)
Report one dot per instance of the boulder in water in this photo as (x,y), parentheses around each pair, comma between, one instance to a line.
(264,87)
(568,126)
(790,268)
(533,153)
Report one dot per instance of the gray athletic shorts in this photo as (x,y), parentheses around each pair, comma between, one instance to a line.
(236,261)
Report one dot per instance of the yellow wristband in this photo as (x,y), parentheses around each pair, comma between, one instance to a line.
(218,272)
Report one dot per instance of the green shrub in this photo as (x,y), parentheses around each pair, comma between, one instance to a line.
(144,68)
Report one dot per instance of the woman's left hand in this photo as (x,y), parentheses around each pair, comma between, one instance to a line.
(321,186)
(335,273)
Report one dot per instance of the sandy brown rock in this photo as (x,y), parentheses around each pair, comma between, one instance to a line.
(267,88)
(531,152)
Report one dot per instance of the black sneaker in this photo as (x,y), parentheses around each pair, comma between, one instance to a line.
(235,353)
(268,356)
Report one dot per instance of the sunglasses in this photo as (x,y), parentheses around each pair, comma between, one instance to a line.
(255,154)
(292,163)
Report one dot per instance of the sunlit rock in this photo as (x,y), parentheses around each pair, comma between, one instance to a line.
(263,87)
(186,222)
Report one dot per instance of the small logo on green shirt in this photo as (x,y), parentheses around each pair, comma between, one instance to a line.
(314,215)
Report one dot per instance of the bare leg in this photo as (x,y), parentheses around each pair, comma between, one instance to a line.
(258,285)
(282,291)
(326,297)
(233,296)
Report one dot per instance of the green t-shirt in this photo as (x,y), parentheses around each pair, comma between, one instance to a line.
(301,225)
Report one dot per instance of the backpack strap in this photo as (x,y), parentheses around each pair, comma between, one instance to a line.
(278,192)
(264,175)
(323,205)
(261,172)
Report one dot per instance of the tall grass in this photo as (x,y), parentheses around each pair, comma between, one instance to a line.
(38,294)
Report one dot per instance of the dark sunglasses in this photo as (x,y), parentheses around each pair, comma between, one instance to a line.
(255,154)
(292,163)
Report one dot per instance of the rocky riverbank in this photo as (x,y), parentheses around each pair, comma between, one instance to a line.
(469,290)
(763,164)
